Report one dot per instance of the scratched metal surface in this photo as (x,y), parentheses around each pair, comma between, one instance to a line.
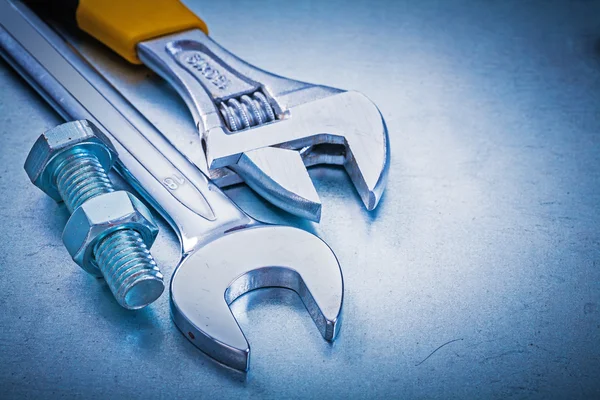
(487,239)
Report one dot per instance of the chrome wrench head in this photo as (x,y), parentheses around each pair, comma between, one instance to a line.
(208,224)
(206,283)
(241,111)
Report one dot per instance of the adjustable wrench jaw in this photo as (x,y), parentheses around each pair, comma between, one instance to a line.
(248,118)
(346,119)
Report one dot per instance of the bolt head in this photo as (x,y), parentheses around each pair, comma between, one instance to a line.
(45,154)
(100,216)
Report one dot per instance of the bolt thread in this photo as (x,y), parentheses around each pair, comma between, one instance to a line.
(123,258)
(79,177)
(129,269)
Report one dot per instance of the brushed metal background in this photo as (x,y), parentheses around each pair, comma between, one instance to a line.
(487,240)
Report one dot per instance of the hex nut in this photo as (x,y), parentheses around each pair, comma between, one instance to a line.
(45,153)
(99,217)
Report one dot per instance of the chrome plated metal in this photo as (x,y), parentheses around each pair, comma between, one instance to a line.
(218,240)
(217,87)
(279,256)
(109,233)
(249,110)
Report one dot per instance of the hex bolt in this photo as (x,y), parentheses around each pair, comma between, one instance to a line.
(108,233)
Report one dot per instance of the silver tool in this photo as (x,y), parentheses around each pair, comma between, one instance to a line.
(267,141)
(225,253)
(252,122)
(109,233)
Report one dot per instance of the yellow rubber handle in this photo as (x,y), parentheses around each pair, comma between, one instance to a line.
(122,24)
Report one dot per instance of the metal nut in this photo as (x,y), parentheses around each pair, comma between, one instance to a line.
(45,152)
(100,216)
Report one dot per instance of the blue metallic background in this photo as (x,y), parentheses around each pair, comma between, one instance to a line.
(487,241)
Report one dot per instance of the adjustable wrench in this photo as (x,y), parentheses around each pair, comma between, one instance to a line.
(225,253)
(264,127)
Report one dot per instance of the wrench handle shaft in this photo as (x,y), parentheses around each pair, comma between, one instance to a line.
(194,206)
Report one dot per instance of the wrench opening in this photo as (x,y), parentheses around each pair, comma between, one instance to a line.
(205,284)
(285,278)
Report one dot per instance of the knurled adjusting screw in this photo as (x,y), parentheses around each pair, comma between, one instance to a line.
(109,232)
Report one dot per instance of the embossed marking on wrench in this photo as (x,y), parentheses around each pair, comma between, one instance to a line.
(210,275)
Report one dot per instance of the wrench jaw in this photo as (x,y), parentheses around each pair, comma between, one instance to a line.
(370,182)
(218,86)
(205,284)
(348,119)
(265,170)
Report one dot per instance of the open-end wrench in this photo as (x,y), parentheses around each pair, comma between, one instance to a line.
(225,253)
(263,126)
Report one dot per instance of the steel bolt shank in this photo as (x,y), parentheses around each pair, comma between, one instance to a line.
(129,269)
